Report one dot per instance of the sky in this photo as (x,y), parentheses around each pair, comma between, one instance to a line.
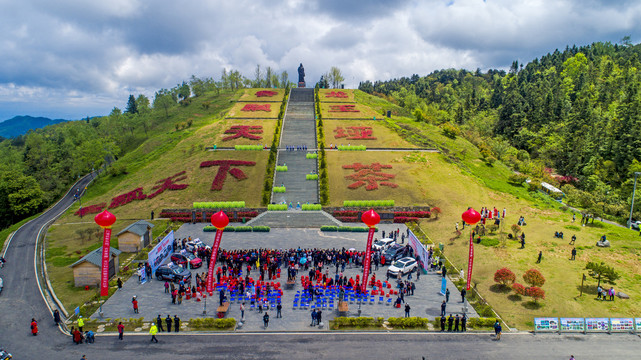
(76,58)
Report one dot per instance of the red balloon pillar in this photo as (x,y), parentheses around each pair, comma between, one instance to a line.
(370,218)
(470,217)
(219,220)
(105,219)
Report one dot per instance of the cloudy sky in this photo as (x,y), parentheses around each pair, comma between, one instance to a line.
(74,58)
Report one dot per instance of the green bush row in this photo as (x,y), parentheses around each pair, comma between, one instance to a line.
(311,177)
(311,156)
(312,207)
(273,152)
(218,204)
(358,322)
(239,229)
(345,228)
(279,189)
(408,323)
(367,203)
(281,168)
(351,147)
(277,207)
(212,323)
(248,147)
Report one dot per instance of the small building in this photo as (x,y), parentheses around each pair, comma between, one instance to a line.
(135,236)
(86,271)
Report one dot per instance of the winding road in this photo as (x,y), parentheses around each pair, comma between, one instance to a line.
(22,299)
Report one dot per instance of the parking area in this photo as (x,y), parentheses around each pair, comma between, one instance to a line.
(153,301)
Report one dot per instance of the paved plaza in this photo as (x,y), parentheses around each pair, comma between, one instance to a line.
(153,300)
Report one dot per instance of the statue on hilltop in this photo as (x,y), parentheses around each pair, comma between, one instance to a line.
(301,76)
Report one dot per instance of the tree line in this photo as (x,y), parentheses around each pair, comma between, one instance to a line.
(569,118)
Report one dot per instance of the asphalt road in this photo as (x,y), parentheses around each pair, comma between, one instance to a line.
(21,300)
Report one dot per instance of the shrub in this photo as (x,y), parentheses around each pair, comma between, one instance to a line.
(518,288)
(535,292)
(515,229)
(370,203)
(450,131)
(489,242)
(517,179)
(534,277)
(212,323)
(329,228)
(279,189)
(436,211)
(219,205)
(311,177)
(504,276)
(277,207)
(351,147)
(480,323)
(281,168)
(312,207)
(209,228)
(248,147)
(260,228)
(311,156)
(407,323)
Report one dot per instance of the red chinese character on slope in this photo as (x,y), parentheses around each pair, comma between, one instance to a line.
(336,94)
(355,133)
(169,184)
(244,131)
(256,107)
(343,108)
(266,93)
(369,175)
(226,167)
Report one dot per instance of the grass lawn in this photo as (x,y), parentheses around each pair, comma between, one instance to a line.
(268,127)
(385,137)
(362,112)
(236,111)
(325,95)
(250,95)
(411,170)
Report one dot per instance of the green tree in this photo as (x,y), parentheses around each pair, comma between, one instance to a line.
(142,104)
(602,272)
(132,107)
(164,101)
(284,79)
(335,77)
(20,196)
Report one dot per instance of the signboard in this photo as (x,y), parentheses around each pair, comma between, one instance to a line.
(637,322)
(419,249)
(142,274)
(443,286)
(546,324)
(597,324)
(104,269)
(161,252)
(572,324)
(621,324)
(470,263)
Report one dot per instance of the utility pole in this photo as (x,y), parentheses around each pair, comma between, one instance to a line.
(636,173)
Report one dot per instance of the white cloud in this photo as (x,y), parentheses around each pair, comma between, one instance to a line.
(84,57)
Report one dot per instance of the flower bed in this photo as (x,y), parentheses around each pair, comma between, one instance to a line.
(220,205)
(369,176)
(257,107)
(343,108)
(404,219)
(345,213)
(126,198)
(348,218)
(417,214)
(169,184)
(244,131)
(336,94)
(367,203)
(266,93)
(225,166)
(91,209)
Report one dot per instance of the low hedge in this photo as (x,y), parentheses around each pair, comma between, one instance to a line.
(345,228)
(311,177)
(279,189)
(260,228)
(212,324)
(404,219)
(408,323)
(281,168)
(351,147)
(218,204)
(277,207)
(248,147)
(210,228)
(311,156)
(312,207)
(367,203)
(358,322)
(329,228)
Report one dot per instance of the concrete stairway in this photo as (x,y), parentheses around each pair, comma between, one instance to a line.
(294,219)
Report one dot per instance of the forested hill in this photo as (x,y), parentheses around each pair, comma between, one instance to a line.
(19,125)
(575,113)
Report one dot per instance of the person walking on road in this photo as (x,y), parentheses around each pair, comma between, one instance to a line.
(153,330)
(499,329)
(34,327)
(121,330)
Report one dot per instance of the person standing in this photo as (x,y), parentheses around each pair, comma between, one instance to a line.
(464,322)
(523,240)
(119,282)
(319,317)
(176,323)
(134,302)
(538,260)
(153,330)
(34,327)
(447,295)
(56,317)
(442,323)
(159,323)
(242,311)
(407,310)
(496,327)
(166,287)
(279,307)
(313,318)
(443,306)
(450,321)
(121,330)
(457,321)
(499,330)
(266,319)
(573,254)
(611,293)
(81,323)
(463,293)
(168,322)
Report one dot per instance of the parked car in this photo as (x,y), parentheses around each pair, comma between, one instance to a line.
(394,252)
(186,260)
(634,225)
(405,266)
(173,273)
(383,243)
(4,355)
(193,245)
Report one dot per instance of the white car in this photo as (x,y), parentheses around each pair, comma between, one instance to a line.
(404,265)
(194,245)
(383,243)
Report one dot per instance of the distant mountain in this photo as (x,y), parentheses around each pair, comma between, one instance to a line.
(19,125)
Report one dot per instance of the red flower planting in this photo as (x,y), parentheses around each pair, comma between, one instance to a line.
(417,214)
(343,108)
(403,219)
(168,184)
(91,209)
(345,213)
(126,198)
(226,167)
(257,107)
(336,94)
(354,133)
(266,93)
(348,218)
(370,176)
(244,131)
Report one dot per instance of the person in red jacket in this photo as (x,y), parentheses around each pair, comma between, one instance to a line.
(121,330)
(34,327)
